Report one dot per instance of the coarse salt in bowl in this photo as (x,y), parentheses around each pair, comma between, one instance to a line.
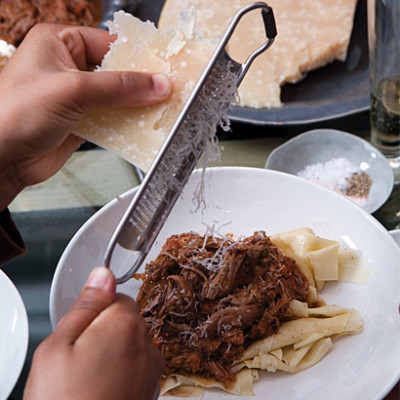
(340,161)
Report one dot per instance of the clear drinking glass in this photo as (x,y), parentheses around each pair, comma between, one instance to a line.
(384,56)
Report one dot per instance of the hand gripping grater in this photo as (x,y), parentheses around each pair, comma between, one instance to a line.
(194,128)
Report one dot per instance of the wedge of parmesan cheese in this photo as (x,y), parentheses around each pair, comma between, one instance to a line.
(311,33)
(136,134)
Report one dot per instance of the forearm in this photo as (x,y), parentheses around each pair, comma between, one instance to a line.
(10,187)
(11,243)
(11,123)
(10,183)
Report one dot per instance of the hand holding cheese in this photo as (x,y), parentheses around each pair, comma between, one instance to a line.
(46,89)
(180,51)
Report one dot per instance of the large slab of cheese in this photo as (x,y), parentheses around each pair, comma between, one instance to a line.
(137,134)
(311,33)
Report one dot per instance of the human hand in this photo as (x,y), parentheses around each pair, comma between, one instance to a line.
(99,350)
(45,90)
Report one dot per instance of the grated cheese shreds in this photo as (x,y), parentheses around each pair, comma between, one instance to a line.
(197,134)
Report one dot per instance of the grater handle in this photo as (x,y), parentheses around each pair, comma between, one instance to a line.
(269,23)
(270,31)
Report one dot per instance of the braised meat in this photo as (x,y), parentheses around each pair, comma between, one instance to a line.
(205,299)
(18,16)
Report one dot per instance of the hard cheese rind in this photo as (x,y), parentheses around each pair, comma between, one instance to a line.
(311,33)
(180,52)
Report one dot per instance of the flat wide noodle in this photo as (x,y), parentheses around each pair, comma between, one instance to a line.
(295,331)
(293,360)
(320,259)
(243,385)
(298,345)
(302,342)
(351,267)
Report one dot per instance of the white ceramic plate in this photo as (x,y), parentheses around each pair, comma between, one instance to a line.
(396,235)
(14,335)
(241,201)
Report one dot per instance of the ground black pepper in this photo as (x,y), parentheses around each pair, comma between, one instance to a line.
(359,185)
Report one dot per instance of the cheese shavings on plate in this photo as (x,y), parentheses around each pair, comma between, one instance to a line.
(311,34)
(136,134)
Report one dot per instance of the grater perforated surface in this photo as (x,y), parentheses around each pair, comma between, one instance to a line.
(193,132)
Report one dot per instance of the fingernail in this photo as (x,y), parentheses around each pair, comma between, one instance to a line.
(161,84)
(99,277)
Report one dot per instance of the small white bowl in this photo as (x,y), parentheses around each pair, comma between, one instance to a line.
(323,145)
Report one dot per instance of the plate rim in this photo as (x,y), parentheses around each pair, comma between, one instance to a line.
(25,329)
(297,121)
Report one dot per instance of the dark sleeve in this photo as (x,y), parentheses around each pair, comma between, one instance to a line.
(11,243)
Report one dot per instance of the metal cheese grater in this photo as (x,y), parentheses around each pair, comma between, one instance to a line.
(153,201)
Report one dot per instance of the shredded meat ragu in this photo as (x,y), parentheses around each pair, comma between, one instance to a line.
(18,16)
(205,299)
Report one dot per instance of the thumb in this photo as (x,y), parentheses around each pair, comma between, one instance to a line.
(123,89)
(97,295)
